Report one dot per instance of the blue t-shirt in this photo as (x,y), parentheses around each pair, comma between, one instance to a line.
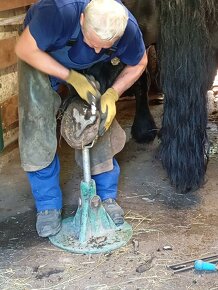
(53,23)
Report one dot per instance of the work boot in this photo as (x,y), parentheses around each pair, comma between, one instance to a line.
(114,210)
(48,222)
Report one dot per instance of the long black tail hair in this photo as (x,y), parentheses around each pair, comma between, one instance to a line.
(187,71)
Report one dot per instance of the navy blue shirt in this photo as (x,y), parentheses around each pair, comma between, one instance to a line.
(52,23)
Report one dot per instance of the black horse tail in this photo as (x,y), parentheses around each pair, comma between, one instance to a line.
(187,71)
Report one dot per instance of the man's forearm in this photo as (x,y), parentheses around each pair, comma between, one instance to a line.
(45,63)
(27,50)
(129,75)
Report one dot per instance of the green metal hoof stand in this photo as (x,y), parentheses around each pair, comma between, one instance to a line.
(91,230)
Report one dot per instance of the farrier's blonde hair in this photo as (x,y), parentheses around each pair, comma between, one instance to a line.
(107,18)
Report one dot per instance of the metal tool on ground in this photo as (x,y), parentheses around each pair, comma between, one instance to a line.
(91,230)
(205,266)
(190,264)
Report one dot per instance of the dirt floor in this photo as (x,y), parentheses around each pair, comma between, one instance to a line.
(168,227)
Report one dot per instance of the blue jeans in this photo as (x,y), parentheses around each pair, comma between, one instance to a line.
(45,185)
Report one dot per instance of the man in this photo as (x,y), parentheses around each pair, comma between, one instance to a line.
(60,38)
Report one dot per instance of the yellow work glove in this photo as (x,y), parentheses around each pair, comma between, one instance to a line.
(82,85)
(108,109)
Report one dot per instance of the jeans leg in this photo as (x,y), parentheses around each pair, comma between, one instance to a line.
(107,182)
(45,186)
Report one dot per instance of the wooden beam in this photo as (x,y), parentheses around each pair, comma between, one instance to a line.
(7,54)
(12,4)
(14,20)
(9,113)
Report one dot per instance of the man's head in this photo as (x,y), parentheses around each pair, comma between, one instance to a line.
(103,22)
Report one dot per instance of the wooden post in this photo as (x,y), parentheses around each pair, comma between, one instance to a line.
(1,136)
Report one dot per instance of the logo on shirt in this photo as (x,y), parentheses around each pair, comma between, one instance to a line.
(115,61)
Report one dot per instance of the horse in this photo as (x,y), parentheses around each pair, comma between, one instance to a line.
(185,33)
(186,36)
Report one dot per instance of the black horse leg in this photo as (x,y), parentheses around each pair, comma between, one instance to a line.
(144,129)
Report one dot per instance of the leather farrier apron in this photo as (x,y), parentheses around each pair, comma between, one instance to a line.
(38,106)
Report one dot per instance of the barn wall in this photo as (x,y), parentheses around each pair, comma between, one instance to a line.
(12,14)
